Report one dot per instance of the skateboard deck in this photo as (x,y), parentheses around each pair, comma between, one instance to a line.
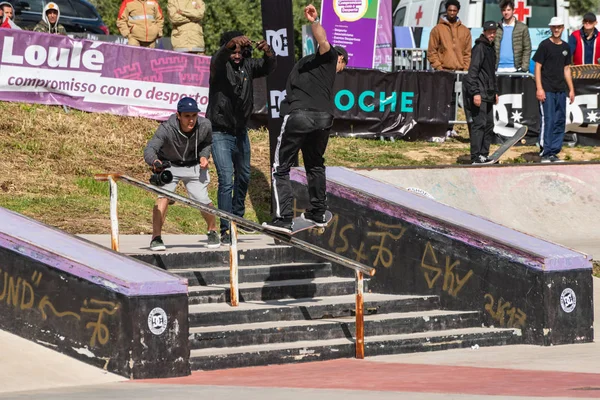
(300,224)
(517,137)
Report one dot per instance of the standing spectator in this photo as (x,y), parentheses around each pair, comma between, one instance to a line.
(450,46)
(308,117)
(512,43)
(49,22)
(184,141)
(584,42)
(230,104)
(480,92)
(141,22)
(8,16)
(552,79)
(187,35)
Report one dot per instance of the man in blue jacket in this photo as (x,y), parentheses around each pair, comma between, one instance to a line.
(184,140)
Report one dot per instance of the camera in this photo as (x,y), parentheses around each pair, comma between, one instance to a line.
(162,177)
(246,52)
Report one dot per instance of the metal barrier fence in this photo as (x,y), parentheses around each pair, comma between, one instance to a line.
(360,269)
(416,59)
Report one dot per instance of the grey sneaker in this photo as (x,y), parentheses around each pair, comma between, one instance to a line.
(213,240)
(157,244)
(554,158)
(546,160)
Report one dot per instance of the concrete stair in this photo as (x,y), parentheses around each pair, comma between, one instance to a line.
(300,311)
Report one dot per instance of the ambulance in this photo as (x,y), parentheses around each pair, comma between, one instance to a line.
(426,13)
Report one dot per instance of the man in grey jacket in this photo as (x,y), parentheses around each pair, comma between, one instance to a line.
(184,140)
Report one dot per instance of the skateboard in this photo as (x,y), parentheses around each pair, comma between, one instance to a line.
(517,137)
(300,224)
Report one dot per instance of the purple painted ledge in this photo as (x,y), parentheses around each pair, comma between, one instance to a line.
(84,259)
(458,224)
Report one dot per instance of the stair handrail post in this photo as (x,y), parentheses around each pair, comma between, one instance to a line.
(114,219)
(233,265)
(360,316)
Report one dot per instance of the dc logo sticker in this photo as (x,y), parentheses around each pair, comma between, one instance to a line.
(157,321)
(568,300)
(278,41)
(276,97)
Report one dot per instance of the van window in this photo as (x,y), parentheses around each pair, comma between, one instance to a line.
(35,6)
(537,13)
(65,8)
(83,10)
(399,17)
(441,11)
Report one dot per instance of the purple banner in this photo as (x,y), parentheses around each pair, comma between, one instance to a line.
(352,24)
(98,76)
(384,46)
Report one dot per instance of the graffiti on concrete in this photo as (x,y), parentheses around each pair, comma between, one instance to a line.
(452,283)
(21,293)
(502,310)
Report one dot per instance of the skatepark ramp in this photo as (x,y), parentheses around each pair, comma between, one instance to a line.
(91,303)
(420,246)
(555,202)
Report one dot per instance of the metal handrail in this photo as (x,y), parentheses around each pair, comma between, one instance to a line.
(360,269)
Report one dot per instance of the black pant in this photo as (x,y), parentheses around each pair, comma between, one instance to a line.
(308,131)
(480,121)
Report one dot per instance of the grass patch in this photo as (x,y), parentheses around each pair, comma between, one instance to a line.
(50,158)
(596,269)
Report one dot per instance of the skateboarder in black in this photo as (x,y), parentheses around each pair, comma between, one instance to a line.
(308,117)
(481,93)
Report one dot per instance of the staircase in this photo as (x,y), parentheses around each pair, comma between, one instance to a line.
(297,310)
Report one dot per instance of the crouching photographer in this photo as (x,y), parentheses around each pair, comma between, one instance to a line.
(179,151)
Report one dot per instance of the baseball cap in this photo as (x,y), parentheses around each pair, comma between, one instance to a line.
(187,104)
(342,51)
(556,21)
(490,25)
(591,17)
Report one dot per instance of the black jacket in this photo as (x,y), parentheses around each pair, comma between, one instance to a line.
(481,78)
(230,96)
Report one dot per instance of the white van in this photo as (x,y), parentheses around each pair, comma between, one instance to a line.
(536,13)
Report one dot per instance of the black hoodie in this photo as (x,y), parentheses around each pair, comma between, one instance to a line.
(481,78)
(170,144)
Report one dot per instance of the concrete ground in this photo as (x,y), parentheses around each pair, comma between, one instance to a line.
(30,371)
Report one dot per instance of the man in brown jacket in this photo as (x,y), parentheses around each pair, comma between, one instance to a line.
(450,47)
(187,35)
(141,22)
(450,42)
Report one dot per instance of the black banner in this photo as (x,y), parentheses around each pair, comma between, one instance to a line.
(417,105)
(517,106)
(406,104)
(278,29)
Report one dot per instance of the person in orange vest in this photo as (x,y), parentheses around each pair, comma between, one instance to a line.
(141,22)
(584,42)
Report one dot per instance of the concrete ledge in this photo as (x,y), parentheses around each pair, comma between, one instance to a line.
(91,303)
(419,246)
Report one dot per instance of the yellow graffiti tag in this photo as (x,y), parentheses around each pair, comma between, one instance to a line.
(100,332)
(453,283)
